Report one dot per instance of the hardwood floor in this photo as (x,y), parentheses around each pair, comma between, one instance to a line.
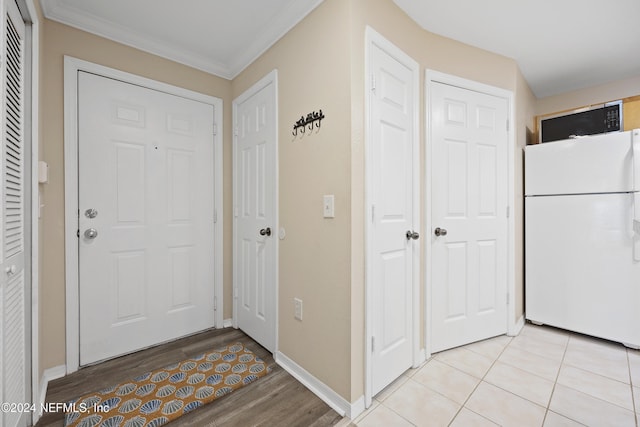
(277,399)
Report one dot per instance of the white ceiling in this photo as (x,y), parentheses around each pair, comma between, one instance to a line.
(560,45)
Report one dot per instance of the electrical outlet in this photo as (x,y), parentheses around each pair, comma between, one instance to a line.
(297,308)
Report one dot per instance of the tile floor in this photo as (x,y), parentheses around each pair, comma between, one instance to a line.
(542,377)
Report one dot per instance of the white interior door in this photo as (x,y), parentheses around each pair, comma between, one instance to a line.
(14,358)
(469,185)
(255,219)
(146,217)
(393,150)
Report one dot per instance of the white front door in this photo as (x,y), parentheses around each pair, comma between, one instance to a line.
(469,187)
(146,217)
(393,150)
(254,201)
(15,364)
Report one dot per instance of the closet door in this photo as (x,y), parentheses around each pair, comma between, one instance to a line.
(12,249)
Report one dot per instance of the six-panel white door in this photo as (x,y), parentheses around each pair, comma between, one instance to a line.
(469,203)
(393,148)
(146,217)
(255,225)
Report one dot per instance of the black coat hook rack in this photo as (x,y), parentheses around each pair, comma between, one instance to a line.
(313,118)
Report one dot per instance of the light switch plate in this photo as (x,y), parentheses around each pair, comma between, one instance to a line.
(297,308)
(328,206)
(43,172)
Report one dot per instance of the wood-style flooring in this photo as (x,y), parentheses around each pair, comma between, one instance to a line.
(277,399)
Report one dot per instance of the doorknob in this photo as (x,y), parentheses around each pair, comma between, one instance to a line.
(91,213)
(440,232)
(91,233)
(11,270)
(265,231)
(412,235)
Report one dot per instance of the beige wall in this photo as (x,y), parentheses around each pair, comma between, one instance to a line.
(592,95)
(320,65)
(337,68)
(60,40)
(313,73)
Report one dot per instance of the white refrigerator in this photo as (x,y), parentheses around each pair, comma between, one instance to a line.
(582,235)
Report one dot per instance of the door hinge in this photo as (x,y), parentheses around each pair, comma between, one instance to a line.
(215,216)
(508,211)
(215,129)
(235,131)
(507,298)
(373,213)
(78,234)
(373,344)
(215,303)
(373,82)
(507,125)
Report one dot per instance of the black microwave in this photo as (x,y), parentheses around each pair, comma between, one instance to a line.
(602,119)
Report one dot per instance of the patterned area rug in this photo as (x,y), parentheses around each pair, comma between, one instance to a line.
(157,397)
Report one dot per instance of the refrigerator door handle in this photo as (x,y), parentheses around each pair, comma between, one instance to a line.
(636,212)
(635,145)
(636,226)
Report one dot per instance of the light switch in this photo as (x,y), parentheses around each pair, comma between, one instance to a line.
(328,210)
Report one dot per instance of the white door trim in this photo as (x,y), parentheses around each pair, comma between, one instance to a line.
(373,38)
(271,78)
(432,77)
(34,244)
(71,68)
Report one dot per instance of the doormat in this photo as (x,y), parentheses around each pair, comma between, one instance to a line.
(157,397)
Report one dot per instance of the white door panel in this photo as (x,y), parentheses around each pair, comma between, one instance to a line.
(146,167)
(469,201)
(255,177)
(392,149)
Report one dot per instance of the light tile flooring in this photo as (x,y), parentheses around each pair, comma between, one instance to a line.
(542,377)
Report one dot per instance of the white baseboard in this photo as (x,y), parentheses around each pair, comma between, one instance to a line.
(227,323)
(323,391)
(422,358)
(517,327)
(356,409)
(47,376)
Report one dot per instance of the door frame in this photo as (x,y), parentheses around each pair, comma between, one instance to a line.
(373,38)
(270,78)
(432,77)
(72,66)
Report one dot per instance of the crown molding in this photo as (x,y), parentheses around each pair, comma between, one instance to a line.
(289,17)
(286,20)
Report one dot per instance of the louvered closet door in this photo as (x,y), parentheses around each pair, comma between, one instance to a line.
(13,351)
